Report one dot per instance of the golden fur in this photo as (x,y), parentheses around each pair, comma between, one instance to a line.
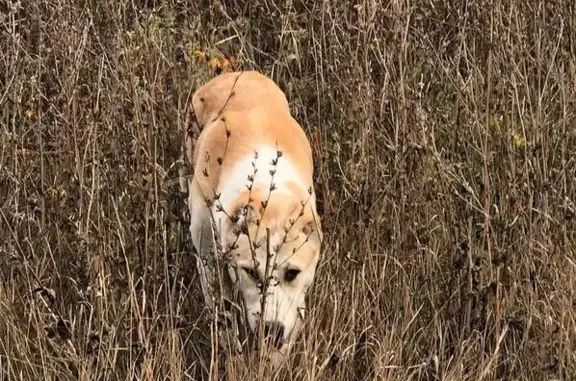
(239,114)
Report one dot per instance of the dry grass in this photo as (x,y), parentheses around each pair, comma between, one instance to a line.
(445,140)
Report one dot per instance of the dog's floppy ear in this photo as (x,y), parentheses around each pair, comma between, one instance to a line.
(243,216)
(312,230)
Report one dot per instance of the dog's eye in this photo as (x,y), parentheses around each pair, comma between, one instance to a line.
(251,271)
(291,274)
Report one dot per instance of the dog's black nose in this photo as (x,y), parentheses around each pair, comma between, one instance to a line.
(274,333)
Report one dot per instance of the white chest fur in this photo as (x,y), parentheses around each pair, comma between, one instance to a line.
(272,170)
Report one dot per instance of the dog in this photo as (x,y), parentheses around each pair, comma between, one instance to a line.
(252,194)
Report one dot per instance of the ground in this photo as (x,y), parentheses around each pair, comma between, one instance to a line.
(444,139)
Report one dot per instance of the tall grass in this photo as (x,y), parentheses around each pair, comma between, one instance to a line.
(444,139)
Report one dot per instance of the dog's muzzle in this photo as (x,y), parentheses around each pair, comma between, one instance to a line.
(274,334)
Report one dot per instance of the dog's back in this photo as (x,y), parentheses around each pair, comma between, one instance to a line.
(241,113)
(238,91)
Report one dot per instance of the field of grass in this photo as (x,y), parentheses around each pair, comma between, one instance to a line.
(444,135)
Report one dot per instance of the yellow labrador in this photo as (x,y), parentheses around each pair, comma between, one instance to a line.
(252,178)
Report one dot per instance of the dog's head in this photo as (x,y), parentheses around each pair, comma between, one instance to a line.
(274,247)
